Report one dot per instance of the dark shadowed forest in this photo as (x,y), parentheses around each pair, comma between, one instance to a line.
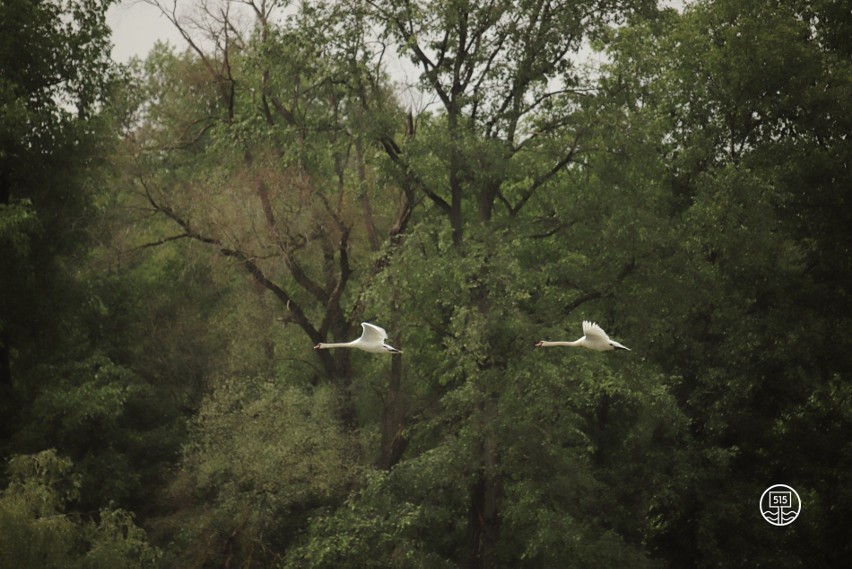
(178,232)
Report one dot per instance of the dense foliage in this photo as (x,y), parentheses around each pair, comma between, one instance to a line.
(179,232)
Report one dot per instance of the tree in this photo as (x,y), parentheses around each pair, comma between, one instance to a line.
(508,91)
(689,195)
(49,114)
(506,82)
(37,531)
(749,100)
(68,377)
(284,116)
(50,140)
(260,461)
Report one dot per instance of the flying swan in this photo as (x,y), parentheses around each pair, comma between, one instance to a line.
(372,340)
(594,339)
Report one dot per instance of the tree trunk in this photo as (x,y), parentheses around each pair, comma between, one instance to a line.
(5,361)
(484,522)
(393,420)
(342,380)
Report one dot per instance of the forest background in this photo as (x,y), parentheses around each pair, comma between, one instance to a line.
(178,232)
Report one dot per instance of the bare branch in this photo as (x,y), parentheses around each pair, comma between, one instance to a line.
(247,262)
(596,294)
(394,153)
(159,242)
(543,178)
(332,307)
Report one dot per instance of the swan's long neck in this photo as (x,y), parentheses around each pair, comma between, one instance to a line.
(546,344)
(322,346)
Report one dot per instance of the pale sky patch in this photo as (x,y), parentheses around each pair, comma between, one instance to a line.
(136,27)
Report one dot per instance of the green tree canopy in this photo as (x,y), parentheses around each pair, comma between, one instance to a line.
(272,183)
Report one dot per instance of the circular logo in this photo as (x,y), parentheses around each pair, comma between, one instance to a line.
(780,505)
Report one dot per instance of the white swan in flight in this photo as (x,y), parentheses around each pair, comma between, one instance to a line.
(594,338)
(372,340)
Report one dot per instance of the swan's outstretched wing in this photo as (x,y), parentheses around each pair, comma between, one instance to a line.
(594,332)
(373,334)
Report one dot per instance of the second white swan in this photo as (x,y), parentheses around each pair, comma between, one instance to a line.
(594,338)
